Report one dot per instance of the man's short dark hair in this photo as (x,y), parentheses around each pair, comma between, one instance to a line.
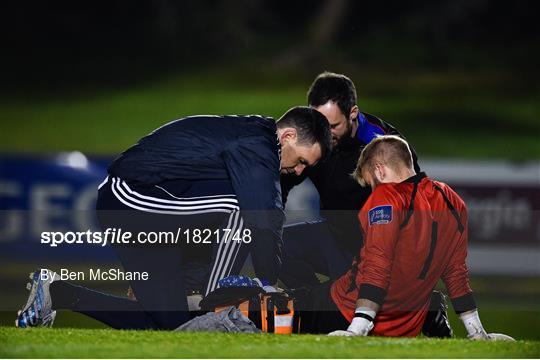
(333,87)
(311,126)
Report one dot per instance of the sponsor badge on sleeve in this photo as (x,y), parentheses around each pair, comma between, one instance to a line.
(380,215)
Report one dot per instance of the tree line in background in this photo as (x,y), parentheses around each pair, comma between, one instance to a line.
(110,41)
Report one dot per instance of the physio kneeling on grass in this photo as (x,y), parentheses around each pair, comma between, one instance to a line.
(213,181)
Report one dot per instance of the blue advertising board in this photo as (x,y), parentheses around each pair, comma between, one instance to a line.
(56,192)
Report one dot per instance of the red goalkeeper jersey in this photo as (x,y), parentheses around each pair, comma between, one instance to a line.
(415,233)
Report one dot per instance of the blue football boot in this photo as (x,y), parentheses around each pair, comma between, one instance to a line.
(38,309)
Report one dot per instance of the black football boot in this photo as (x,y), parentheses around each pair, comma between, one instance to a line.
(436,323)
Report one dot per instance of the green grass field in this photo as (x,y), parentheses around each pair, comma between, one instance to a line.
(478,114)
(92,343)
(512,309)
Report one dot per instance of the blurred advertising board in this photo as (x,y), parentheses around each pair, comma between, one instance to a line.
(59,192)
(56,192)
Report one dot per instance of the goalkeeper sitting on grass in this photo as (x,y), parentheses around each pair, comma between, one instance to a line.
(415,234)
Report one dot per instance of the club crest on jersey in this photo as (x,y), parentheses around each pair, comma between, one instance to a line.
(380,215)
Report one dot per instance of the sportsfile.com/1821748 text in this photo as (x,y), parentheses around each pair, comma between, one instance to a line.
(119,236)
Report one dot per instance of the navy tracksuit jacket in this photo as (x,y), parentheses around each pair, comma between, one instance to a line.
(241,149)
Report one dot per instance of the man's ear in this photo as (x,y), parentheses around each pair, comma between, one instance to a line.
(353,115)
(289,134)
(380,172)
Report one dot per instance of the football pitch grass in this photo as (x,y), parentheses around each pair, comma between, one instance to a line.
(104,343)
(511,309)
(444,114)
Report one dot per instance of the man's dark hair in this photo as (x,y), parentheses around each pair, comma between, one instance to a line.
(333,87)
(311,127)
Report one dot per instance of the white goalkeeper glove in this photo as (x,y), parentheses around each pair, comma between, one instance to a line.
(476,331)
(490,337)
(361,325)
(499,337)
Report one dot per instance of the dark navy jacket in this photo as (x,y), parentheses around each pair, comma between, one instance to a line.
(243,149)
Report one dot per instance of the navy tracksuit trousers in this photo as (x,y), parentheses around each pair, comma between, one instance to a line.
(174,269)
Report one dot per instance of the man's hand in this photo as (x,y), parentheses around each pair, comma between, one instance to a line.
(490,337)
(500,337)
(342,333)
(476,331)
(359,327)
(267,287)
(272,289)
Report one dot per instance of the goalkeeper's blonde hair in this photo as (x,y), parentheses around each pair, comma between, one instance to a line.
(390,150)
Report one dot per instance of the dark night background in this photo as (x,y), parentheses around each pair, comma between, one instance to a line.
(53,46)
